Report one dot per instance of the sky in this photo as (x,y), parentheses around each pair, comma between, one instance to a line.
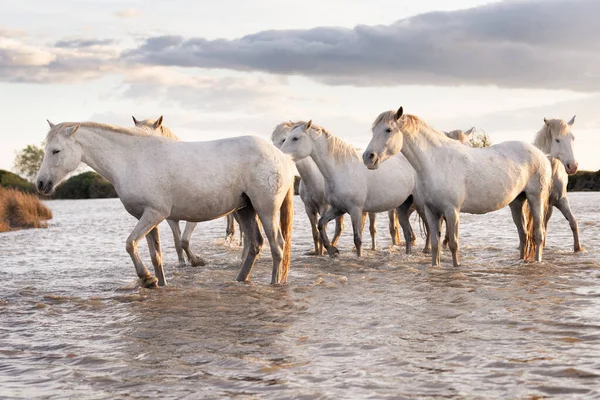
(230,68)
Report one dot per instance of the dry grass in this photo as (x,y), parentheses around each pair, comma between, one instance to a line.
(20,210)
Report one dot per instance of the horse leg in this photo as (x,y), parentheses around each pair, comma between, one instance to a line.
(195,259)
(452,224)
(339,227)
(230,229)
(357,217)
(434,220)
(174,225)
(373,229)
(393,225)
(421,213)
(253,241)
(153,239)
(546,220)
(327,216)
(314,219)
(565,209)
(271,227)
(447,235)
(516,209)
(403,212)
(237,219)
(149,220)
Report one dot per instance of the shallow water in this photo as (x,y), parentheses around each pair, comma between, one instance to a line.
(74,324)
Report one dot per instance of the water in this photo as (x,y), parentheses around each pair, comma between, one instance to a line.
(74,324)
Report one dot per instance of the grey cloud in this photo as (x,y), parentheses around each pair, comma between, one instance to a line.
(525,44)
(83,43)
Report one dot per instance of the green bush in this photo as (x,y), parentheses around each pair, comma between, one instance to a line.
(14,181)
(88,185)
(584,181)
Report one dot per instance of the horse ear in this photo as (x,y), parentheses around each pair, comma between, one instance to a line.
(308,125)
(158,123)
(470,131)
(72,129)
(399,113)
(572,121)
(135,121)
(545,121)
(51,124)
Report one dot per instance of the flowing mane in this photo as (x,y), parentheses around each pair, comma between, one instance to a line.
(543,139)
(411,123)
(336,147)
(134,130)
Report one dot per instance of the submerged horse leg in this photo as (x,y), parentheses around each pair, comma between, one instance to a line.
(403,217)
(230,229)
(339,227)
(174,225)
(253,241)
(423,217)
(195,259)
(516,209)
(357,217)
(393,226)
(565,209)
(153,239)
(452,224)
(434,219)
(313,218)
(330,214)
(546,220)
(373,229)
(148,220)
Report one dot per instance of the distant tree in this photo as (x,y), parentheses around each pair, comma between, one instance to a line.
(480,139)
(28,161)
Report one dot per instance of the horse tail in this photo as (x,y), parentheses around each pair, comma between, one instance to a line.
(545,193)
(286,220)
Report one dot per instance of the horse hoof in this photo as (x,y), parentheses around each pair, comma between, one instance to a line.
(198,262)
(333,252)
(579,249)
(150,282)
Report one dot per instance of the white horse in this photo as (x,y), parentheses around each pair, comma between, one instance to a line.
(350,187)
(157,178)
(454,178)
(312,193)
(556,140)
(182,243)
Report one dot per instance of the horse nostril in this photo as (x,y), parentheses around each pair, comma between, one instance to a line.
(371,156)
(49,185)
(40,185)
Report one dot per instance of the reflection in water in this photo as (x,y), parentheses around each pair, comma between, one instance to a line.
(73,322)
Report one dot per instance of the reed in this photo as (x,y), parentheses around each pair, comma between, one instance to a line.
(20,210)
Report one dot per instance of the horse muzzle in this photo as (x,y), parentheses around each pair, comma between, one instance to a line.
(44,186)
(572,167)
(371,160)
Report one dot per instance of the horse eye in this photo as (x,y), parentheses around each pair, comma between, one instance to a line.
(55,151)
(557,141)
(389,130)
(294,139)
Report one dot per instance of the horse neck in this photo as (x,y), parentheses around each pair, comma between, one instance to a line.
(105,152)
(310,174)
(329,167)
(542,141)
(419,148)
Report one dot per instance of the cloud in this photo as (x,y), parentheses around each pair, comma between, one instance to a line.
(128,13)
(514,44)
(252,93)
(83,43)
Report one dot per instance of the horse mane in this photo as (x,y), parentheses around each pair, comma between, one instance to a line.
(336,147)
(410,123)
(543,139)
(133,131)
(164,130)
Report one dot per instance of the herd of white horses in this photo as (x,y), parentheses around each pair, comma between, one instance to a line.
(407,166)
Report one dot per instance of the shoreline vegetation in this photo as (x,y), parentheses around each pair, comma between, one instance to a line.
(21,210)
